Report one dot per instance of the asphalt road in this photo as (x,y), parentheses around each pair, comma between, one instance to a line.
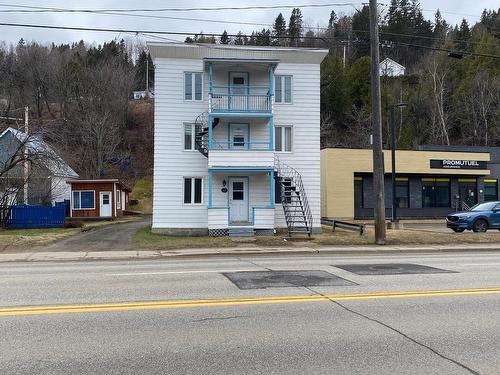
(185,317)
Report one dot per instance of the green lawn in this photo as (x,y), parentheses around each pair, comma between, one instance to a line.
(147,240)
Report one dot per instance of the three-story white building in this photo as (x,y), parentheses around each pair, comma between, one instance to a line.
(237,139)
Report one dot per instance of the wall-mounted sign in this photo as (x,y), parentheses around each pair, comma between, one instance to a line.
(458,164)
(224,189)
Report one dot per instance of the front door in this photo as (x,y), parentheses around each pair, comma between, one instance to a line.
(238,136)
(105,204)
(467,191)
(238,199)
(238,90)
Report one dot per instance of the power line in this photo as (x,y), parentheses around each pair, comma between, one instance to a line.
(38,9)
(119,13)
(182,33)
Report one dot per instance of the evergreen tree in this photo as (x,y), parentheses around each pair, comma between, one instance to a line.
(263,38)
(279,31)
(332,22)
(462,35)
(240,39)
(224,38)
(295,27)
(441,27)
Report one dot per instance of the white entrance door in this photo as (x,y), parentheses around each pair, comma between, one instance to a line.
(105,204)
(238,199)
(238,135)
(238,87)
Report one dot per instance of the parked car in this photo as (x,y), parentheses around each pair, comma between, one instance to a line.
(480,218)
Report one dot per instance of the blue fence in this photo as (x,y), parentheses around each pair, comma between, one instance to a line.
(26,216)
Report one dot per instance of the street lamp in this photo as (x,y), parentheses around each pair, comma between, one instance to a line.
(393,158)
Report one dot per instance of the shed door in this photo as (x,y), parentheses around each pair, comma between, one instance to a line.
(105,204)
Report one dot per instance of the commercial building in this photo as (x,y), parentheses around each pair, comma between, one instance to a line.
(430,182)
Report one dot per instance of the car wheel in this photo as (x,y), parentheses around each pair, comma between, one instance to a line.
(458,230)
(480,226)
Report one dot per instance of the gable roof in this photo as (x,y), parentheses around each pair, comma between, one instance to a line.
(54,164)
(390,61)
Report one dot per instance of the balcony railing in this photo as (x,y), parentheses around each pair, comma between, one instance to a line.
(253,145)
(246,99)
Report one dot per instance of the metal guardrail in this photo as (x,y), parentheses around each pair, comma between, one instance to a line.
(344,225)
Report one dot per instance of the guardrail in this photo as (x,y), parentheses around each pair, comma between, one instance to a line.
(228,145)
(250,103)
(344,225)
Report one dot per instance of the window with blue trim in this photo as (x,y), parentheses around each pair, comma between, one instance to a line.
(282,89)
(83,200)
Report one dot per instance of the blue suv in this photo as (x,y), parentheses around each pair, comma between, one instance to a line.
(480,218)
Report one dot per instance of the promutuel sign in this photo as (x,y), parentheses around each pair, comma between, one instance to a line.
(458,164)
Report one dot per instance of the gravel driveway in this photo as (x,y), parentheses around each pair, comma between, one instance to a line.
(106,238)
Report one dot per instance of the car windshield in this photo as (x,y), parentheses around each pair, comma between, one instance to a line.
(488,206)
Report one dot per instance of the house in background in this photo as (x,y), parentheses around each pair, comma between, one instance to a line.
(138,95)
(390,68)
(46,176)
(94,199)
(237,139)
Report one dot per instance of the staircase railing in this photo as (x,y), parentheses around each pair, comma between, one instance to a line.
(293,196)
(201,132)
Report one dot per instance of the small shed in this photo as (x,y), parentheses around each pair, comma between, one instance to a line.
(93,199)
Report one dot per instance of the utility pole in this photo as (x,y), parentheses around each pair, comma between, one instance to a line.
(378,154)
(26,151)
(147,74)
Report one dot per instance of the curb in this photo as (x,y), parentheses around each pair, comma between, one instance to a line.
(31,257)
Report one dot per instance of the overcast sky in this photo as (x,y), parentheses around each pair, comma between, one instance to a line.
(453,11)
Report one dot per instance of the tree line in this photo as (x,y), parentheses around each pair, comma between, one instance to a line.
(449,101)
(78,96)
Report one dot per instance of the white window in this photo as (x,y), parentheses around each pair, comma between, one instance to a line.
(283,138)
(193,86)
(193,190)
(282,89)
(83,200)
(119,199)
(190,131)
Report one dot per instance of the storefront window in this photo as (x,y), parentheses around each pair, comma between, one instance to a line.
(435,192)
(490,190)
(358,192)
(402,192)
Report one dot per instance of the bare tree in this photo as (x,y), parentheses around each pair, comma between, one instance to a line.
(437,74)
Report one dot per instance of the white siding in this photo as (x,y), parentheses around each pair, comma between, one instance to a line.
(60,190)
(171,162)
(217,218)
(263,218)
(243,158)
(304,116)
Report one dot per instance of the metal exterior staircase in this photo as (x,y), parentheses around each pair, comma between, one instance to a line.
(201,136)
(296,208)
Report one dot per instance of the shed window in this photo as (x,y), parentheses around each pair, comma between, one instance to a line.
(83,200)
(119,199)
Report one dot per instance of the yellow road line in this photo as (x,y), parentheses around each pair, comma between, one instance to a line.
(178,304)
